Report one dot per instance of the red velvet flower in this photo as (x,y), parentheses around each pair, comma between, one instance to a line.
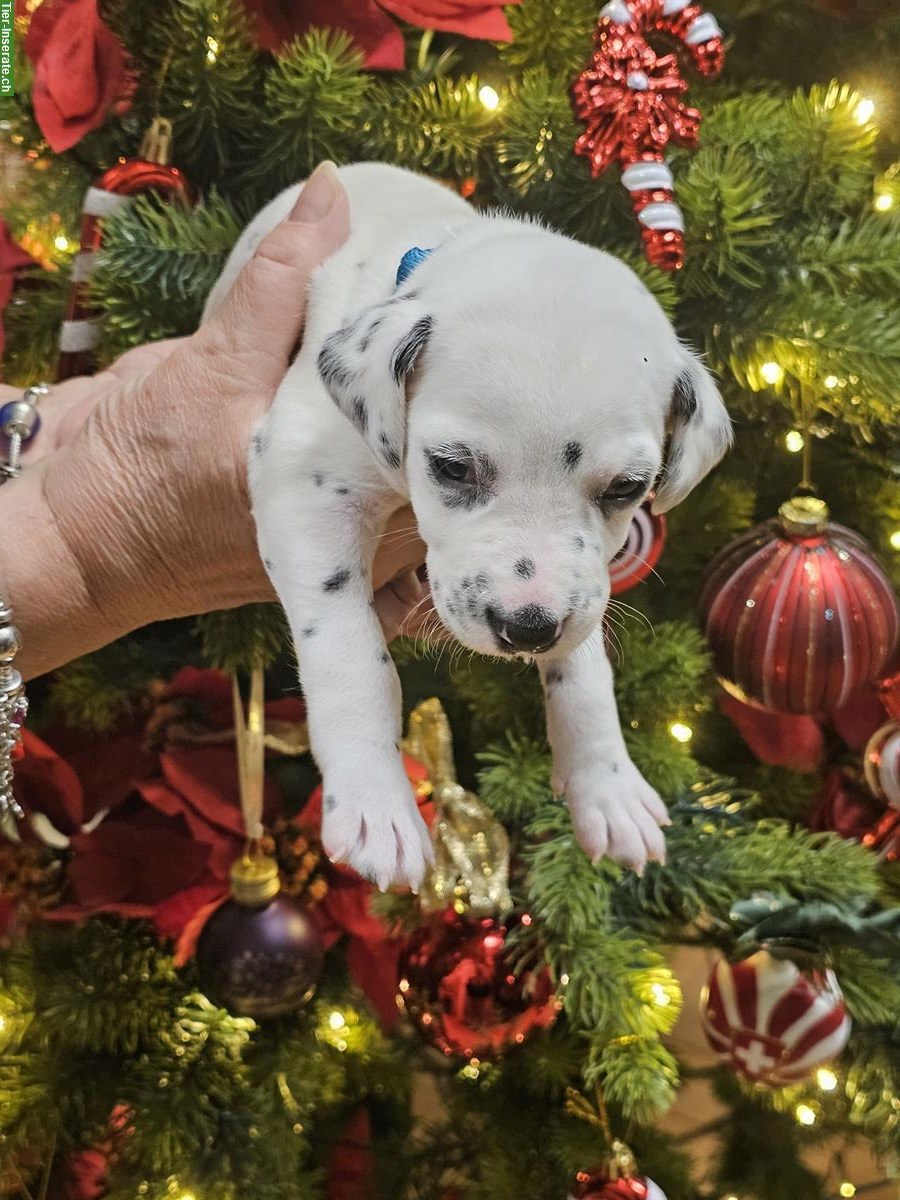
(13,260)
(376,35)
(80,71)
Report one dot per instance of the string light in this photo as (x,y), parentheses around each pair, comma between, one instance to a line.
(771,373)
(827,1080)
(831,381)
(61,242)
(847,1189)
(336,1020)
(894,539)
(681,732)
(212,49)
(864,111)
(660,995)
(805,1115)
(884,202)
(793,441)
(489,97)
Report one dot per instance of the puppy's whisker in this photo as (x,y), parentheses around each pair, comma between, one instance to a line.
(620,606)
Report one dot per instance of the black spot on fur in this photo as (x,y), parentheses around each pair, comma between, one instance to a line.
(435,585)
(359,414)
(334,372)
(366,340)
(318,479)
(553,675)
(267,563)
(330,803)
(338,580)
(472,605)
(259,442)
(342,491)
(385,657)
(309,631)
(482,582)
(684,398)
(646,359)
(578,541)
(572,455)
(388,452)
(524,568)
(406,352)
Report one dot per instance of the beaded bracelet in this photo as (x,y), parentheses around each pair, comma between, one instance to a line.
(19,422)
(13,707)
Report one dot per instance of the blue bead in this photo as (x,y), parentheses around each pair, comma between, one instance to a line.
(13,409)
(409,262)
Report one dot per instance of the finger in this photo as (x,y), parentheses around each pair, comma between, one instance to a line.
(395,601)
(263,313)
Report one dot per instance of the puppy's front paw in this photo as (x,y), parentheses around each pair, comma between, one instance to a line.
(371,822)
(616,812)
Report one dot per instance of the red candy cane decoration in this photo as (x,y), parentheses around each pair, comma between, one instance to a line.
(112,191)
(629,99)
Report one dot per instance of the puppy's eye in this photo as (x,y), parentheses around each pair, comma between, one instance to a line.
(621,493)
(452,470)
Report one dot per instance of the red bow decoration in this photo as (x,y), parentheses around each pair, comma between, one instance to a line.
(630,100)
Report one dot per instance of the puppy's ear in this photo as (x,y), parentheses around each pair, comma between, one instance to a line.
(699,433)
(366,365)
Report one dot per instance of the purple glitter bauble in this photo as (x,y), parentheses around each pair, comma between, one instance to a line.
(260,961)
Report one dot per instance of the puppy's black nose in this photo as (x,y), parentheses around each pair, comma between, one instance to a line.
(531,628)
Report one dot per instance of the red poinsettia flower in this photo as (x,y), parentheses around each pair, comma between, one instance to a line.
(80,70)
(376,35)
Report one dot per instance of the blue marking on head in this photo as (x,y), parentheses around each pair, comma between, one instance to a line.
(409,262)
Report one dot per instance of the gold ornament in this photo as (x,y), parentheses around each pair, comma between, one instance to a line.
(471,849)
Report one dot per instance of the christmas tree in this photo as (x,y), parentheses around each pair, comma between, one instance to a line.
(538,992)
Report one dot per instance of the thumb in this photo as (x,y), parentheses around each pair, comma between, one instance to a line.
(262,316)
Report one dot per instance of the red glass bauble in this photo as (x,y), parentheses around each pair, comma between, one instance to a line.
(457,985)
(798,613)
(882,763)
(641,552)
(597,1185)
(260,954)
(771,1022)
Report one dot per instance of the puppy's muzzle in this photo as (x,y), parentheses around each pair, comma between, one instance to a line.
(530,629)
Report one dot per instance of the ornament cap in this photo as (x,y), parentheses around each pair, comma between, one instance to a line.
(156,145)
(254,880)
(804,515)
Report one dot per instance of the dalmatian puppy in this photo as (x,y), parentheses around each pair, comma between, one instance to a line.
(524,393)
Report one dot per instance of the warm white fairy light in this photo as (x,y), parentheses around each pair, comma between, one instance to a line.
(681,732)
(660,995)
(805,1115)
(61,242)
(894,539)
(864,111)
(771,373)
(489,97)
(827,1080)
(212,49)
(336,1020)
(847,1189)
(793,441)
(831,381)
(884,202)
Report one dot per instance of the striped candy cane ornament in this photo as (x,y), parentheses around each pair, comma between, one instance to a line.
(112,191)
(630,101)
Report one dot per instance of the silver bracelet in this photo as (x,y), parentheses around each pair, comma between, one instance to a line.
(19,422)
(13,707)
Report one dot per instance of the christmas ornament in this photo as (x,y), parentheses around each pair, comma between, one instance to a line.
(471,849)
(798,613)
(630,100)
(771,1022)
(458,987)
(881,763)
(641,552)
(112,192)
(617,1177)
(597,1185)
(260,953)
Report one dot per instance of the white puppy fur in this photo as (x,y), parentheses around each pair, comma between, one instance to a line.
(522,391)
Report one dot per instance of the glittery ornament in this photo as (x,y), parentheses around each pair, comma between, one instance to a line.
(771,1022)
(630,100)
(641,552)
(798,613)
(881,762)
(596,1185)
(113,191)
(458,987)
(260,954)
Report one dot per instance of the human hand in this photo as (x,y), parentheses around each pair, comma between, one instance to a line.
(142,486)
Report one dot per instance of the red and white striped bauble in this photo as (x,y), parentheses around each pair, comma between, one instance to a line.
(798,613)
(881,763)
(641,552)
(598,1186)
(770,1021)
(112,191)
